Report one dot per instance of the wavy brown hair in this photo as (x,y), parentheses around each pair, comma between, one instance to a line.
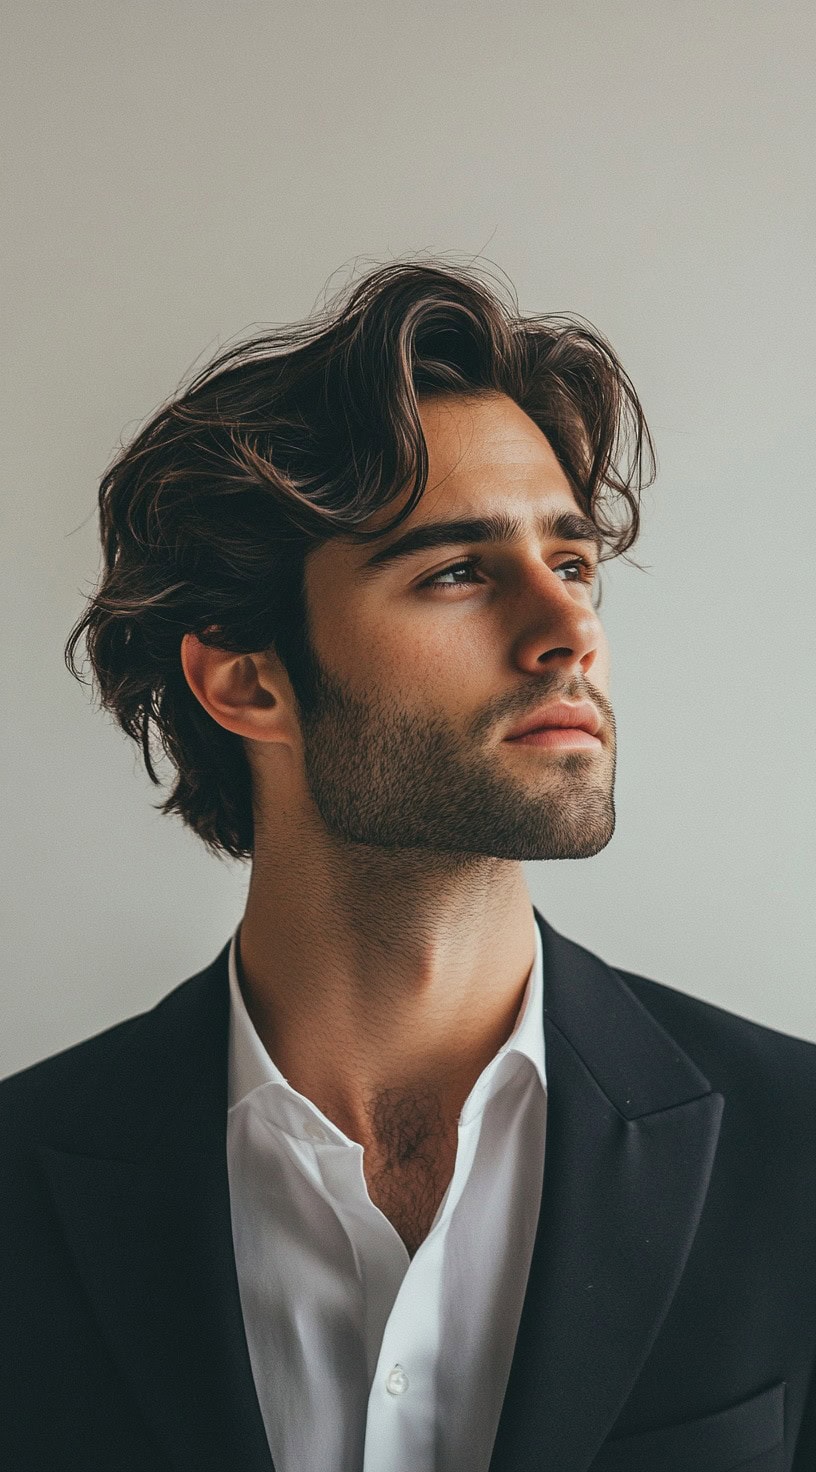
(298,435)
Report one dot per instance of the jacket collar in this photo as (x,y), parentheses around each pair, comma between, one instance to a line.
(138,1172)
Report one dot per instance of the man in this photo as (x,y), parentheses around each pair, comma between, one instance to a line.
(405,1179)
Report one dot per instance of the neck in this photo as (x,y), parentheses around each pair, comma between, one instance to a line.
(372,974)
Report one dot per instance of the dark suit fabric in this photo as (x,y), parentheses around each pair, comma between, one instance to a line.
(669,1322)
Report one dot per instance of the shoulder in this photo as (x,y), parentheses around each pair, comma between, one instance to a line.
(707,1022)
(27,1096)
(747,1061)
(60,1095)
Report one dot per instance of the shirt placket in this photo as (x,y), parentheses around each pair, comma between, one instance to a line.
(402,1418)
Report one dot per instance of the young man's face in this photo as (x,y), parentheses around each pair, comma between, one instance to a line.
(414,686)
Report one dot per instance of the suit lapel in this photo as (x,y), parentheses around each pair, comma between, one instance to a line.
(143,1194)
(632,1129)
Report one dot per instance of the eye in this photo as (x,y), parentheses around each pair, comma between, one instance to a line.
(586,569)
(586,572)
(434,582)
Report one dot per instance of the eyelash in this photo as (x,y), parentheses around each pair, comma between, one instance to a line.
(471,563)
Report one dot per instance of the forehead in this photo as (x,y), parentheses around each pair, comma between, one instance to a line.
(485,455)
(478,446)
(480,449)
(465,433)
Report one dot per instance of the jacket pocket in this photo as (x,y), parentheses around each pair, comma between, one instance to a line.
(722,1442)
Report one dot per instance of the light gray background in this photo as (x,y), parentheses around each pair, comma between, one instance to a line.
(182,172)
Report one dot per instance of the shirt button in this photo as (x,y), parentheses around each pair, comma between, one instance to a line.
(314,1131)
(396,1381)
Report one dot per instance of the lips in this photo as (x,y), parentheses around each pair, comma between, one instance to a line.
(580,714)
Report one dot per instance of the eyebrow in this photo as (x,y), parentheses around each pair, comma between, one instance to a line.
(499,527)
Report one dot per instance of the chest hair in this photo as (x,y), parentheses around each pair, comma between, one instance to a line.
(409,1160)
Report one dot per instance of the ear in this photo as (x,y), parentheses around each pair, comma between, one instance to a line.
(240,691)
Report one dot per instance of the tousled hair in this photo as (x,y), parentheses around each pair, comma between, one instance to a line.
(298,435)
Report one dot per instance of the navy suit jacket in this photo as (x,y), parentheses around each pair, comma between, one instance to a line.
(669,1322)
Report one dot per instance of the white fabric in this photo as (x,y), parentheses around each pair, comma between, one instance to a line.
(364,1359)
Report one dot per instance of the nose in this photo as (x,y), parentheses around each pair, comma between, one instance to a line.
(556,625)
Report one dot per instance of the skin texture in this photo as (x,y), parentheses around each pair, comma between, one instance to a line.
(387,936)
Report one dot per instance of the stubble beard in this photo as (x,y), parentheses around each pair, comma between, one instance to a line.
(396,779)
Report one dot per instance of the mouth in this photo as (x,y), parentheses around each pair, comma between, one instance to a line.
(559,715)
(558,737)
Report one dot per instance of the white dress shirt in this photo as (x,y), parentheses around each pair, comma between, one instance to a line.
(364,1359)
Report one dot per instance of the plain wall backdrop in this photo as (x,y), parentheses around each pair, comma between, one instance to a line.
(184,172)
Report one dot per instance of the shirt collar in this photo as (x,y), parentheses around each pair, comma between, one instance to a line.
(251,1068)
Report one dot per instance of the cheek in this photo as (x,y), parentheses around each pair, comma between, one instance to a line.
(417,660)
(364,638)
(442,663)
